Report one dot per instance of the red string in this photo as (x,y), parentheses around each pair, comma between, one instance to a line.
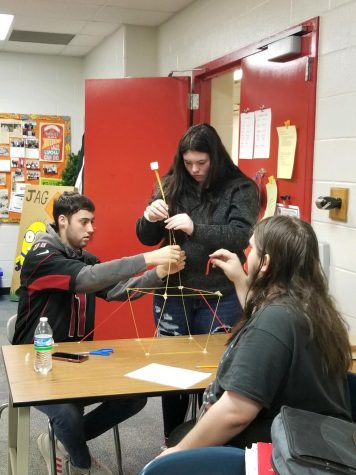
(208,266)
(107,318)
(213,311)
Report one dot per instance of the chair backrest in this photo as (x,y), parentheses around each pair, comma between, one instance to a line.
(351,379)
(217,460)
(10,327)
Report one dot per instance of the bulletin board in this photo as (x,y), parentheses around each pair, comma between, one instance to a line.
(34,150)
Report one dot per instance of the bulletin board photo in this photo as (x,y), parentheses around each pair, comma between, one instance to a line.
(34,150)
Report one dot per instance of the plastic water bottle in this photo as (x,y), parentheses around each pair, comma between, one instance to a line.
(43,343)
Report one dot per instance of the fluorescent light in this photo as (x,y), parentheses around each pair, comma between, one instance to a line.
(237,74)
(5,23)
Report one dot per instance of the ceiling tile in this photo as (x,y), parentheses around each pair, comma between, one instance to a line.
(52,9)
(153,5)
(86,40)
(76,50)
(132,17)
(35,48)
(86,2)
(53,25)
(99,28)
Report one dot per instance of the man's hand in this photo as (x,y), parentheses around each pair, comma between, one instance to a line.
(156,211)
(164,270)
(164,256)
(181,222)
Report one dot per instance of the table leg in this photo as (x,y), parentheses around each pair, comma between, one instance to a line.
(12,438)
(18,439)
(23,440)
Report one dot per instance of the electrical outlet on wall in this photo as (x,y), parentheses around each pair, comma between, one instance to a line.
(340,214)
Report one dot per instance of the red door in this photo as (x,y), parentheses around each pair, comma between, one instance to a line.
(289,89)
(128,124)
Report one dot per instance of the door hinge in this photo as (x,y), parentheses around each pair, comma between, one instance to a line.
(308,65)
(193,101)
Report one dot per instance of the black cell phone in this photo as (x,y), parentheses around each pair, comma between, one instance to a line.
(58,355)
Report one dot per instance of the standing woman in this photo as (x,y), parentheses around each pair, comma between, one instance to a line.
(208,203)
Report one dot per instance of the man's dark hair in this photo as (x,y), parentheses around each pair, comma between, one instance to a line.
(295,273)
(69,203)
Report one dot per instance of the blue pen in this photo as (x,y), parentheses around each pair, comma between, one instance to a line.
(100,352)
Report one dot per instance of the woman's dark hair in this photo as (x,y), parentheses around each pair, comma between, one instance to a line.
(295,272)
(69,203)
(178,182)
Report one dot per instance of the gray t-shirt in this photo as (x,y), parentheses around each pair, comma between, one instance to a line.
(274,361)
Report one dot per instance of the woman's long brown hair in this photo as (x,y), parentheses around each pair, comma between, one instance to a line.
(295,272)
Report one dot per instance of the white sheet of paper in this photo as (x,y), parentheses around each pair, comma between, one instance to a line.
(32,153)
(247,130)
(168,375)
(4,165)
(16,202)
(262,133)
(17,152)
(251,460)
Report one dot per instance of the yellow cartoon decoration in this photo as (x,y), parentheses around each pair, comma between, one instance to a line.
(28,240)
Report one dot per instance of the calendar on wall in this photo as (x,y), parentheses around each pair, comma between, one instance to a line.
(34,150)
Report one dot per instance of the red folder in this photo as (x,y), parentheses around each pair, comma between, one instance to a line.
(264,454)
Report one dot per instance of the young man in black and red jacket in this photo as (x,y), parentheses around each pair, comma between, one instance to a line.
(60,281)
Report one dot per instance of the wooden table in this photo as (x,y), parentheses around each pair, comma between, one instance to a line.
(98,378)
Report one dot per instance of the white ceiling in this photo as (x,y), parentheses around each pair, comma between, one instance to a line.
(89,20)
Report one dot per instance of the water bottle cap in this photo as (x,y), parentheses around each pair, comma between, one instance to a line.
(43,319)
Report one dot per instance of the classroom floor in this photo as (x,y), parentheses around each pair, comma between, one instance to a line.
(141,436)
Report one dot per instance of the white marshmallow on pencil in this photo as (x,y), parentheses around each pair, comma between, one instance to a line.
(154,167)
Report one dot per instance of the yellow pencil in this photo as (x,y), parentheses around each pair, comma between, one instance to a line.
(207,366)
(154,167)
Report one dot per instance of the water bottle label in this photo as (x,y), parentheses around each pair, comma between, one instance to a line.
(43,343)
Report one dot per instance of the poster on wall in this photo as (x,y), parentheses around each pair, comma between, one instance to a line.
(51,142)
(34,150)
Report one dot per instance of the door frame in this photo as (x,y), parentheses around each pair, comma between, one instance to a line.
(203,74)
(202,83)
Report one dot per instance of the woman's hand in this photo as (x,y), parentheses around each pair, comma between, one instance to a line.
(156,211)
(163,256)
(181,222)
(230,264)
(164,270)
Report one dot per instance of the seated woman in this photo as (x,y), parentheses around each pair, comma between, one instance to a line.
(291,348)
